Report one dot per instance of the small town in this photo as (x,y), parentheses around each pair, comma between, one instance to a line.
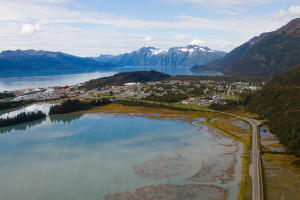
(204,92)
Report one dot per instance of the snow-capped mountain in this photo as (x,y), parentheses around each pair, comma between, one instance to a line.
(177,56)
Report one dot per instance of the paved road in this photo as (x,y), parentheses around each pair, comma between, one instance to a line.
(255,166)
(257,187)
(229,90)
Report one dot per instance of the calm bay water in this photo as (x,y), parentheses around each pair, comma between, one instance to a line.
(11,81)
(106,156)
(16,83)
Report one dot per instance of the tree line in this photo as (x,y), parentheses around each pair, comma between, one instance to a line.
(14,104)
(150,105)
(4,95)
(69,106)
(21,118)
(169,98)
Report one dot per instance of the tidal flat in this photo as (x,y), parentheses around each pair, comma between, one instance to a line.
(117,152)
(282,178)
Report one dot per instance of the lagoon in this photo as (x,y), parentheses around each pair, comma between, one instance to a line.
(109,155)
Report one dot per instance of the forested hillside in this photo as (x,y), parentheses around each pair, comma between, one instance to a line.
(125,77)
(279,102)
(268,55)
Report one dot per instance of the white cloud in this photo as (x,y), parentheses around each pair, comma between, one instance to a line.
(47,14)
(197,42)
(229,7)
(294,11)
(62,28)
(281,14)
(148,38)
(30,28)
(180,36)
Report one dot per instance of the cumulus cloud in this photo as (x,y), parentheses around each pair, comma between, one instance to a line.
(31,28)
(294,11)
(197,42)
(148,38)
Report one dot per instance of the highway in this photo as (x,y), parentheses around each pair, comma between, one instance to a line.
(255,165)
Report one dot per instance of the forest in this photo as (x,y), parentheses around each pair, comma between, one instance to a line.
(21,118)
(168,98)
(126,77)
(69,105)
(4,95)
(279,103)
(229,104)
(13,104)
(149,104)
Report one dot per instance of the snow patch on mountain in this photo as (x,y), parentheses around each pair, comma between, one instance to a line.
(189,55)
(158,51)
(192,48)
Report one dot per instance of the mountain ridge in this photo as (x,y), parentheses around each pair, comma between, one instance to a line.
(175,56)
(25,61)
(269,54)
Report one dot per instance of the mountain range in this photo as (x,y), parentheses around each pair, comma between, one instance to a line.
(177,56)
(38,62)
(269,54)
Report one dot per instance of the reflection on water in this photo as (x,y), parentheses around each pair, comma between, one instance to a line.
(269,140)
(21,127)
(44,107)
(241,124)
(66,119)
(96,156)
(24,126)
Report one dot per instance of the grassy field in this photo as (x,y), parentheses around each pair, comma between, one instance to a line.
(282,178)
(117,108)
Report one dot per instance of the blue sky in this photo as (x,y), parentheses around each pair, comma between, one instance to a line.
(93,27)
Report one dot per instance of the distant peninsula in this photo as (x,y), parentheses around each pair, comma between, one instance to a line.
(125,77)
